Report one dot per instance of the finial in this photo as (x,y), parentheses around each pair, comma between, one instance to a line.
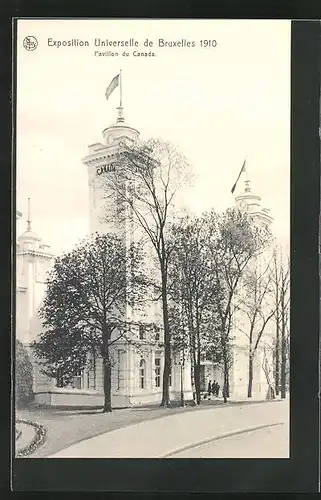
(28,221)
(247,186)
(120,117)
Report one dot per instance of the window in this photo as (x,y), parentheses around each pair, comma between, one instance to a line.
(142,374)
(118,369)
(157,372)
(59,379)
(77,380)
(91,373)
(141,332)
(157,335)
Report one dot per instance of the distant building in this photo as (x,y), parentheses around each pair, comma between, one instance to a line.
(239,372)
(33,259)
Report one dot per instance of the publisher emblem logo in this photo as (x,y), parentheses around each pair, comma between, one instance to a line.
(30,43)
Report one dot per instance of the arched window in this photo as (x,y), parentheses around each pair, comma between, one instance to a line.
(142,365)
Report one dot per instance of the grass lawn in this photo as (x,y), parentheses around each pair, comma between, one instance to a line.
(67,427)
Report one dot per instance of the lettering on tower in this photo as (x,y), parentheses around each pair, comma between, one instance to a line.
(105,168)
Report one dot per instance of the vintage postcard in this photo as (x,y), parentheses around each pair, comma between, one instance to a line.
(153,239)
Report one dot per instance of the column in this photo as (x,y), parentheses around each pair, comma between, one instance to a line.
(188,390)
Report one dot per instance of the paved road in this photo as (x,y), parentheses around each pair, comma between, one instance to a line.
(175,434)
(267,442)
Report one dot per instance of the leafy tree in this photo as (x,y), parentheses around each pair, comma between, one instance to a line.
(193,287)
(83,311)
(23,376)
(62,351)
(145,183)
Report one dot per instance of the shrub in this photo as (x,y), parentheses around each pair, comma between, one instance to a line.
(23,375)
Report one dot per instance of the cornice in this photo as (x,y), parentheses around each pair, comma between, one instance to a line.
(36,253)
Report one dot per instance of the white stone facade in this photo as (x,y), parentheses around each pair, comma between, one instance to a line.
(137,369)
(251,203)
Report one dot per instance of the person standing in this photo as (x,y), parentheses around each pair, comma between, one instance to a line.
(214,385)
(217,389)
(209,389)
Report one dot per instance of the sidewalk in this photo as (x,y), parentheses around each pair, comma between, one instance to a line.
(171,433)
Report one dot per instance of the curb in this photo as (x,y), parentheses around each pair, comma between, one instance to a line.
(195,444)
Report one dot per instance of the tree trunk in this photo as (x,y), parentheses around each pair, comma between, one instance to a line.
(193,378)
(107,387)
(197,379)
(107,371)
(225,391)
(250,382)
(182,385)
(167,346)
(283,360)
(277,353)
(226,384)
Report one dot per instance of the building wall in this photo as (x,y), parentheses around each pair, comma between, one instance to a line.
(126,387)
(31,268)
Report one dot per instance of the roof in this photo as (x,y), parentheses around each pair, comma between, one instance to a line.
(29,235)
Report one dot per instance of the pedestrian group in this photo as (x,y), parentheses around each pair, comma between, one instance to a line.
(213,388)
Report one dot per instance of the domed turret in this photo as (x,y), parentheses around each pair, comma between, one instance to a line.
(120,131)
(248,200)
(28,240)
(101,161)
(31,241)
(251,202)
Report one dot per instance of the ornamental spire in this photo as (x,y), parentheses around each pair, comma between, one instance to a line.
(28,220)
(120,117)
(120,109)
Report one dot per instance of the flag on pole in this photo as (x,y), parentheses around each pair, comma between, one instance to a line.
(111,87)
(242,170)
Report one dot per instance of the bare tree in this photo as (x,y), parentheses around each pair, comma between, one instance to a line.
(281,290)
(145,183)
(256,304)
(267,367)
(234,241)
(180,345)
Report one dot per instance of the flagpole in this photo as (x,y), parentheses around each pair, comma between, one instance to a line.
(245,170)
(120,88)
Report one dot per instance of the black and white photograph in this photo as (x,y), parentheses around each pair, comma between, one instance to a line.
(152,297)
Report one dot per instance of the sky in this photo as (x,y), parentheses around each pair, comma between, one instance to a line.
(218,105)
